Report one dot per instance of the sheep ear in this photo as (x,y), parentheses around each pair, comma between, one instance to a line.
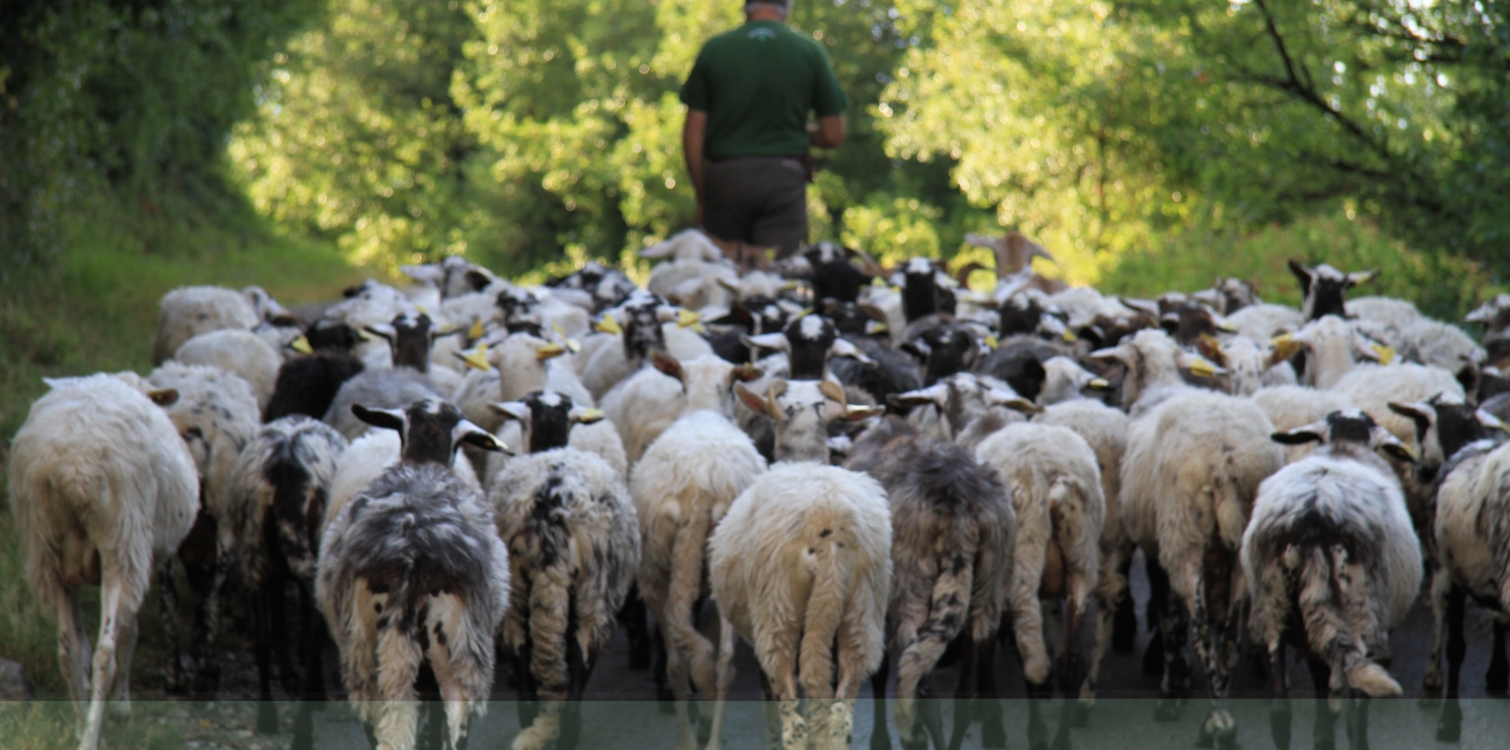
(389,419)
(666,363)
(608,325)
(479,281)
(1381,439)
(427,274)
(656,252)
(842,348)
(580,415)
(1361,277)
(746,373)
(857,412)
(1285,346)
(833,391)
(471,434)
(1018,403)
(1144,306)
(517,410)
(1113,354)
(1297,436)
(382,331)
(1302,274)
(934,394)
(1490,422)
(448,331)
(775,341)
(1417,411)
(751,399)
(163,396)
(1211,349)
(549,351)
(1197,365)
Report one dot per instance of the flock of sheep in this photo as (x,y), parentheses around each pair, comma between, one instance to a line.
(860,467)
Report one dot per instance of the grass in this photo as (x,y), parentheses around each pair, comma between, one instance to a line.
(94,308)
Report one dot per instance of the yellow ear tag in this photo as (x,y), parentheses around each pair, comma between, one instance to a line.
(478,359)
(591,415)
(477,330)
(689,319)
(572,345)
(608,325)
(1386,354)
(301,345)
(1202,369)
(550,350)
(1099,384)
(421,310)
(1070,336)
(992,341)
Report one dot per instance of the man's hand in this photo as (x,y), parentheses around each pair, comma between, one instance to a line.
(693,133)
(828,133)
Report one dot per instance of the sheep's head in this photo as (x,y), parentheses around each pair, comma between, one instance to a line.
(1324,287)
(453,276)
(1065,380)
(802,410)
(960,399)
(1494,314)
(926,289)
(855,319)
(946,349)
(1444,425)
(410,335)
(430,430)
(1331,347)
(1013,251)
(1152,360)
(707,380)
(1229,295)
(1348,429)
(546,418)
(520,311)
(808,340)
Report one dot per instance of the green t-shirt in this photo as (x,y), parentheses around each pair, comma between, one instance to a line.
(757,84)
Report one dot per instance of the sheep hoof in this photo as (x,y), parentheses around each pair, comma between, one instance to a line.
(1080,715)
(1450,724)
(704,727)
(267,717)
(1166,709)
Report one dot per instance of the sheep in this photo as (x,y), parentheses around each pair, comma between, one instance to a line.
(952,529)
(926,289)
(1462,449)
(1264,321)
(1052,477)
(189,311)
(593,287)
(102,490)
(1330,548)
(1292,406)
(1014,255)
(639,329)
(371,304)
(1332,347)
(1018,361)
(832,274)
(952,405)
(682,487)
(239,352)
(409,380)
(1323,288)
(1105,431)
(453,276)
(526,363)
(307,385)
(1065,380)
(1154,366)
(574,545)
(1193,464)
(413,582)
(643,406)
(216,415)
(367,458)
(280,486)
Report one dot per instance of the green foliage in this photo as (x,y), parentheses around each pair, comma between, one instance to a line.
(1441,285)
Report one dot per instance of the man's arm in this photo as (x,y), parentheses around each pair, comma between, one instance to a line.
(693,133)
(828,133)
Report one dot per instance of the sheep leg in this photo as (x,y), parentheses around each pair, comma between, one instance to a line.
(880,738)
(528,704)
(987,699)
(1431,682)
(1038,733)
(632,614)
(73,649)
(1324,733)
(292,684)
(1210,648)
(267,710)
(177,678)
(1125,621)
(724,679)
(1279,703)
(1175,683)
(579,667)
(1069,672)
(206,658)
(665,697)
(932,717)
(1498,677)
(113,612)
(964,694)
(1154,659)
(772,713)
(120,705)
(314,644)
(676,674)
(1357,723)
(1450,723)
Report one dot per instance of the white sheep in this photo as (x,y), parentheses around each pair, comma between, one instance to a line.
(1193,464)
(574,546)
(1264,321)
(682,487)
(1052,477)
(189,311)
(412,574)
(102,488)
(1292,406)
(239,352)
(1331,547)
(801,563)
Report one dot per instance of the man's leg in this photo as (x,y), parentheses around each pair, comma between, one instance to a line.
(782,218)
(729,204)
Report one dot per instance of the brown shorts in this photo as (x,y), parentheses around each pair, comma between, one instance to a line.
(761,200)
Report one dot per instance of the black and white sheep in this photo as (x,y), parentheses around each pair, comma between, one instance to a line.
(414,582)
(102,489)
(574,545)
(1332,564)
(408,380)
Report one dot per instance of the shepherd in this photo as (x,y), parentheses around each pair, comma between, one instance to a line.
(747,133)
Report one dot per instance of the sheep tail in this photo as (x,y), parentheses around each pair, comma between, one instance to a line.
(946,617)
(824,614)
(687,551)
(550,610)
(1231,518)
(1334,608)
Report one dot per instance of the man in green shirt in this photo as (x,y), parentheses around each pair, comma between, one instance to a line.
(747,133)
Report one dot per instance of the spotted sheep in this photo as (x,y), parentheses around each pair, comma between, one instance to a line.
(414,582)
(953,528)
(102,489)
(1331,564)
(800,568)
(682,488)
(574,547)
